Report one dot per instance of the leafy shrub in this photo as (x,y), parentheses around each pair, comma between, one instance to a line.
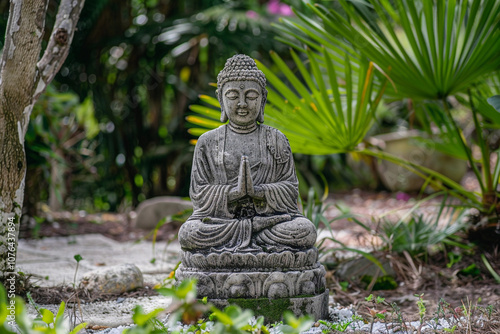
(14,319)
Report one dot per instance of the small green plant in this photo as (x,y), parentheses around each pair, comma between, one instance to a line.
(14,319)
(422,310)
(235,320)
(453,258)
(493,273)
(415,233)
(398,318)
(295,325)
(374,312)
(77,258)
(340,327)
(179,218)
(145,322)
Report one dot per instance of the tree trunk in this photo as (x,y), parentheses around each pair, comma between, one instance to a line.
(23,78)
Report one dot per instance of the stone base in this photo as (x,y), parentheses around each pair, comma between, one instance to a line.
(257,284)
(273,309)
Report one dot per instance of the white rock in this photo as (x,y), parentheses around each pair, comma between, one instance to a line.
(114,280)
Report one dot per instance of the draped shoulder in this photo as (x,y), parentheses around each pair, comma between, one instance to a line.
(277,144)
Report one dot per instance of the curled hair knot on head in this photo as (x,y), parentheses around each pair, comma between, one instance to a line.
(241,68)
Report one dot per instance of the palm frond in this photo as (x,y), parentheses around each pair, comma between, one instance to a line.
(433,48)
(318,112)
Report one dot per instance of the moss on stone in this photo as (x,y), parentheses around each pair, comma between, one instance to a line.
(271,309)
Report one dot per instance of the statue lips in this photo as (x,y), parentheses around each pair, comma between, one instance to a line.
(242,112)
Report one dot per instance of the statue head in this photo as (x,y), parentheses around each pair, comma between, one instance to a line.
(240,68)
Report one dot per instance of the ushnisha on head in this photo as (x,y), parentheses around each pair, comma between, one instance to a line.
(241,68)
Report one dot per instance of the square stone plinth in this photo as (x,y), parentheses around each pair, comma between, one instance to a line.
(273,309)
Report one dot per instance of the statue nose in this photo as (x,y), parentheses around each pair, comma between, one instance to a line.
(242,104)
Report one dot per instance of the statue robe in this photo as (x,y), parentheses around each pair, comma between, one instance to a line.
(213,224)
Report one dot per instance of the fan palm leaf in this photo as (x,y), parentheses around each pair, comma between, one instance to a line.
(433,48)
(319,113)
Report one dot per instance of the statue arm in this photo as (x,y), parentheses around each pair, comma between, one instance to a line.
(210,199)
(280,189)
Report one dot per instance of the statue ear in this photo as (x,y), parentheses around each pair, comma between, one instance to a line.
(223,116)
(260,118)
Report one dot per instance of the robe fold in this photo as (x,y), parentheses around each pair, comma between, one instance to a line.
(209,189)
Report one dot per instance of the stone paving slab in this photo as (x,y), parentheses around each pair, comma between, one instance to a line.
(52,259)
(112,313)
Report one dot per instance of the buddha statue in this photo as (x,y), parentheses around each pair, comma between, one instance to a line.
(246,240)
(244,187)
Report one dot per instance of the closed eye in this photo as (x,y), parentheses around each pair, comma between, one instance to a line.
(252,95)
(232,95)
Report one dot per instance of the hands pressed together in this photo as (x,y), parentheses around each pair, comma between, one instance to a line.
(245,185)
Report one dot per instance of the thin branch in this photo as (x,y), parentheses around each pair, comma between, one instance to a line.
(59,43)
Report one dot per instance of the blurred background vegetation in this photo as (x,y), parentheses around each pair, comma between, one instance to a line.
(111,131)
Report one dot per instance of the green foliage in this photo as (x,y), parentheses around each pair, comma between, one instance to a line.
(422,310)
(143,70)
(324,116)
(233,320)
(435,48)
(185,291)
(47,322)
(62,133)
(494,101)
(414,233)
(296,325)
(493,273)
(385,282)
(471,270)
(340,327)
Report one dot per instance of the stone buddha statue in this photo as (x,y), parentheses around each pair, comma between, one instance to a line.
(246,241)
(243,183)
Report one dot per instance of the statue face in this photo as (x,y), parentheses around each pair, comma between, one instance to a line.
(242,101)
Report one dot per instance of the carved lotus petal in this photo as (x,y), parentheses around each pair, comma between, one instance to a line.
(276,286)
(212,260)
(305,284)
(252,261)
(311,257)
(239,260)
(199,261)
(300,259)
(287,259)
(225,260)
(238,285)
(206,287)
(261,258)
(273,260)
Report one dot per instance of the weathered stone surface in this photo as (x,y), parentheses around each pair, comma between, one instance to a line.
(113,280)
(246,238)
(257,284)
(357,268)
(272,309)
(405,145)
(152,210)
(261,261)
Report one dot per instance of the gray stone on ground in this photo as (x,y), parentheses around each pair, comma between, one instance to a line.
(152,210)
(359,267)
(51,261)
(113,280)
